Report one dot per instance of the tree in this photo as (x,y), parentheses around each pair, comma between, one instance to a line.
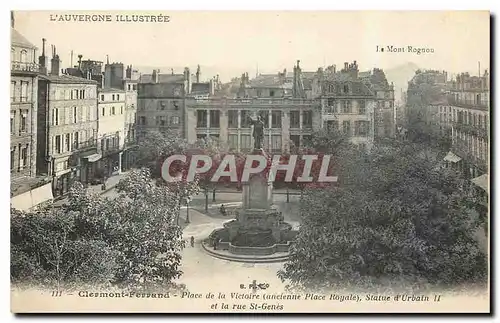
(47,249)
(140,224)
(396,217)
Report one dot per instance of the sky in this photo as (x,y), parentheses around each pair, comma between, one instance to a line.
(272,40)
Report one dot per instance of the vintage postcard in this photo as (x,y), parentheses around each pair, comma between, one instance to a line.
(250,161)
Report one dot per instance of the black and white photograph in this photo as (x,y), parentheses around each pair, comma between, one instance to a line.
(250,161)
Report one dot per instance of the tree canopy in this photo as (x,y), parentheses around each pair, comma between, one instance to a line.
(396,216)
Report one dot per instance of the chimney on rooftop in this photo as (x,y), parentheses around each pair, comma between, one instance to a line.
(42,59)
(80,61)
(54,62)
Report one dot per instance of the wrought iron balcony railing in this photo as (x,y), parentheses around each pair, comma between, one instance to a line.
(25,67)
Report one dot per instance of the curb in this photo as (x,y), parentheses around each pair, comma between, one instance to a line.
(245,259)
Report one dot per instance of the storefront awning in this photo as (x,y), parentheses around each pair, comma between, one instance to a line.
(32,198)
(481,181)
(93,158)
(451,157)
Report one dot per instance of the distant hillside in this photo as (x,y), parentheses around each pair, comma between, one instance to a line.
(400,75)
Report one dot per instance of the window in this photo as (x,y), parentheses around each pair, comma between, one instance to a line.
(113,112)
(346,127)
(391,104)
(362,107)
(346,88)
(271,93)
(233,141)
(76,140)
(246,142)
(331,102)
(67,142)
(361,128)
(294,119)
(24,91)
(128,87)
(245,118)
(24,56)
(174,120)
(12,55)
(176,105)
(346,106)
(12,91)
(201,136)
(142,120)
(118,97)
(103,111)
(259,93)
(161,120)
(75,112)
(12,158)
(201,118)
(214,119)
(58,144)
(276,119)
(232,119)
(24,157)
(113,97)
(307,119)
(331,88)
(55,116)
(134,87)
(276,142)
(24,117)
(295,140)
(102,97)
(12,122)
(121,109)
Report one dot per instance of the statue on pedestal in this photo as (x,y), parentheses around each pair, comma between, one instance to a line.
(258,132)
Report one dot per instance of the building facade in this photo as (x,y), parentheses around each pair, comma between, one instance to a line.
(67,115)
(23,125)
(469,102)
(111,130)
(347,104)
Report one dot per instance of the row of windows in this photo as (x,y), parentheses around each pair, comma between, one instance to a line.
(19,91)
(20,127)
(470,118)
(71,115)
(114,97)
(344,106)
(211,119)
(22,58)
(471,144)
(361,128)
(68,142)
(19,157)
(131,87)
(112,111)
(163,120)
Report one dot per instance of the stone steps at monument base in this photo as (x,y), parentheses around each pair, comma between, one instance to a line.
(245,259)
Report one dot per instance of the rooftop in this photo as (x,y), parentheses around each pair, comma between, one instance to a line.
(110,90)
(19,40)
(68,79)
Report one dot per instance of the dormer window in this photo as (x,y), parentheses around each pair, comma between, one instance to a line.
(346,88)
(331,88)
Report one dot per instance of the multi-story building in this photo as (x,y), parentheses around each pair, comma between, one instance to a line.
(348,104)
(289,116)
(111,129)
(130,136)
(469,102)
(385,110)
(161,100)
(27,189)
(67,133)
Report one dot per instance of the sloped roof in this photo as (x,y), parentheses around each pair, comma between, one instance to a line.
(162,78)
(68,79)
(19,40)
(266,80)
(358,86)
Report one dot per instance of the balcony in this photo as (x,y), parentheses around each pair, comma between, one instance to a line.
(109,145)
(468,104)
(24,67)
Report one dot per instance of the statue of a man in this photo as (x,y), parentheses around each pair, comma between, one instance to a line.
(258,132)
